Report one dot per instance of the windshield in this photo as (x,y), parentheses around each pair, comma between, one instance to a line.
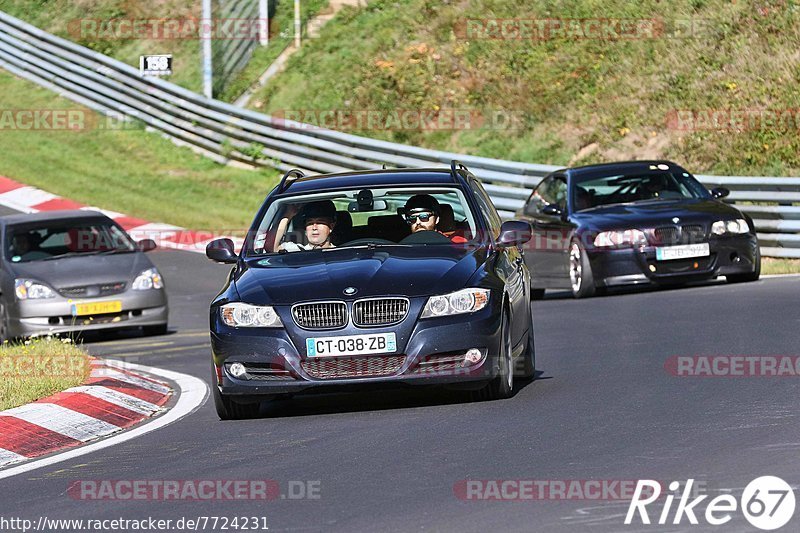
(651,186)
(365,217)
(51,240)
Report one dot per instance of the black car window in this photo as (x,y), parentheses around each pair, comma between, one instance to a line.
(551,190)
(487,208)
(383,220)
(559,192)
(653,185)
(64,237)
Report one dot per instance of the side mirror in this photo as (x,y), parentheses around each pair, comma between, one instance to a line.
(719,192)
(221,251)
(146,245)
(514,233)
(552,210)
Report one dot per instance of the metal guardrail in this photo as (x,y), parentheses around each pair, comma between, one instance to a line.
(228,133)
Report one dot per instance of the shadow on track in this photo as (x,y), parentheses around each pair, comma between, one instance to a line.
(375,400)
(555,294)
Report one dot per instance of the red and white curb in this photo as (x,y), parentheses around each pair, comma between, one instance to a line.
(111,400)
(27,199)
(116,397)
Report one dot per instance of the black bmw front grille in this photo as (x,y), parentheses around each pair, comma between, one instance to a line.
(379,311)
(353,367)
(320,315)
(672,235)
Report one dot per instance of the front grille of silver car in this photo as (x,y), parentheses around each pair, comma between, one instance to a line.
(320,315)
(379,311)
(104,289)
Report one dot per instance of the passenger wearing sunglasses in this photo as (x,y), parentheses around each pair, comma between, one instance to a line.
(422,214)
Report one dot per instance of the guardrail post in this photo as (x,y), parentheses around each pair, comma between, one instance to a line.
(205,37)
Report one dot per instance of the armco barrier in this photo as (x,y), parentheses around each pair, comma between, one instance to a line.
(228,133)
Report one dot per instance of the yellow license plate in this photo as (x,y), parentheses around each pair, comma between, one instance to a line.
(96,308)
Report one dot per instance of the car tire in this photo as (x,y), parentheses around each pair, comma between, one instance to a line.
(537,294)
(528,357)
(501,387)
(228,409)
(160,329)
(4,336)
(580,272)
(750,276)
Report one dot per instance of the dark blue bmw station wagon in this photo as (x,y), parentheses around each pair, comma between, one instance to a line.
(375,277)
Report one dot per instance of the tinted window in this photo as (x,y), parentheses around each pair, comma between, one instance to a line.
(487,208)
(625,188)
(58,238)
(552,190)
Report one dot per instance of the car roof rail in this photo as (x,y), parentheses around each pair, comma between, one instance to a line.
(290,177)
(455,166)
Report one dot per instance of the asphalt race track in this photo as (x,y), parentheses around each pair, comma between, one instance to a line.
(603,407)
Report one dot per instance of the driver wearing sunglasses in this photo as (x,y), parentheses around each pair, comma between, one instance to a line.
(422,214)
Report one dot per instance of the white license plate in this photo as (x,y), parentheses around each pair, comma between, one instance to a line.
(351,345)
(682,252)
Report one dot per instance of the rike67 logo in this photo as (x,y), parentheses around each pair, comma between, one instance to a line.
(767,503)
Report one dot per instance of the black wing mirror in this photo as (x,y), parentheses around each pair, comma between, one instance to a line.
(146,245)
(221,251)
(719,192)
(514,233)
(552,210)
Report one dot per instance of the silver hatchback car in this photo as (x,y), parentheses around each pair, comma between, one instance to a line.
(70,271)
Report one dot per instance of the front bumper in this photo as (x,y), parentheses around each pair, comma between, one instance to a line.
(729,255)
(54,316)
(429,352)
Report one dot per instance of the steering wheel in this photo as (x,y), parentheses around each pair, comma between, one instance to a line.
(367,240)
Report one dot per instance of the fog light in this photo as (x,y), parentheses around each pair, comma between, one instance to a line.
(237,370)
(473,356)
(652,268)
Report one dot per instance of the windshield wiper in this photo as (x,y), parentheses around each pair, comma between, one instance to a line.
(84,254)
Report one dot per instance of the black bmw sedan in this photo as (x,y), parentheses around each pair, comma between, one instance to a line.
(372,278)
(636,222)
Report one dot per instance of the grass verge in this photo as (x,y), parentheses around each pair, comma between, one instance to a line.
(39,368)
(577,98)
(135,172)
(771,265)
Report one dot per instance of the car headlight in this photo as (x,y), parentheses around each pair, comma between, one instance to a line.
(737,227)
(32,290)
(242,315)
(619,239)
(149,279)
(456,303)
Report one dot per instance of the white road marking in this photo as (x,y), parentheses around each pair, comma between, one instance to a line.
(118,398)
(62,420)
(193,394)
(7,457)
(25,198)
(105,372)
